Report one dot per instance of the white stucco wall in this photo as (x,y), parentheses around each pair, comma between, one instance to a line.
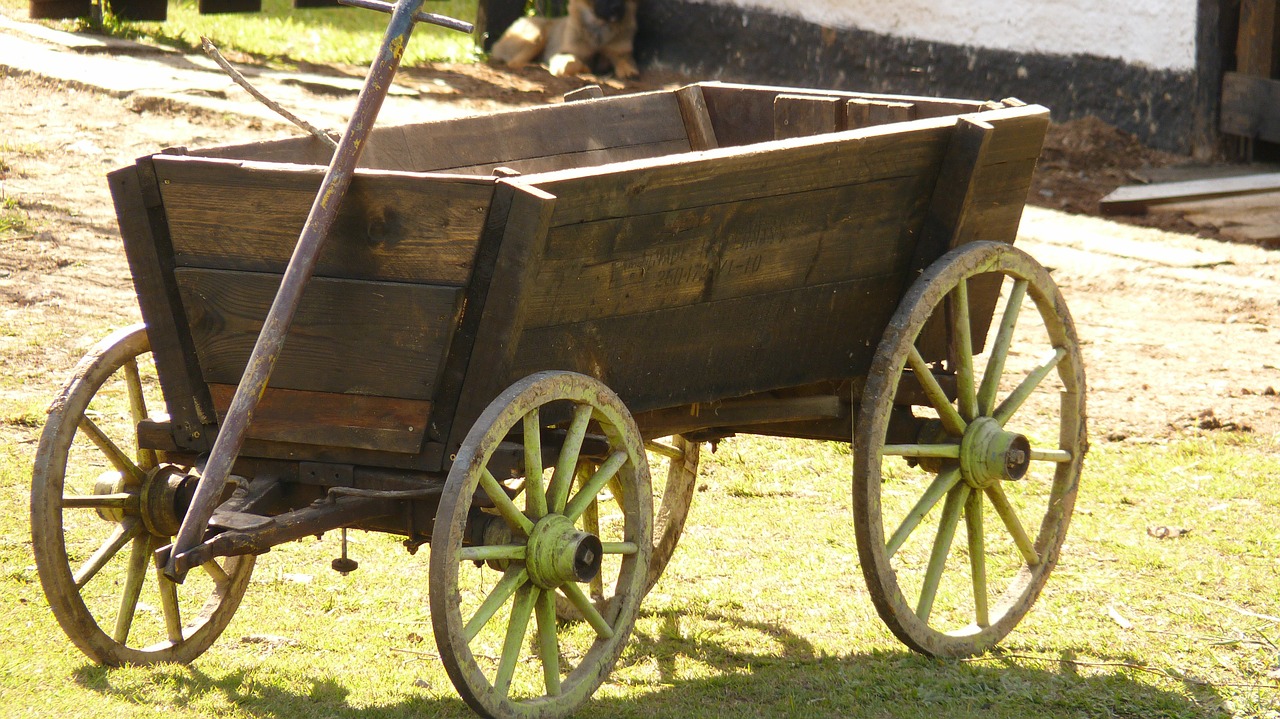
(1159,34)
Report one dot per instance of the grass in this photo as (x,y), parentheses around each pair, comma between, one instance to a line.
(763,612)
(283,35)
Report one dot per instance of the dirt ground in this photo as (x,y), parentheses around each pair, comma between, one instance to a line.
(1180,333)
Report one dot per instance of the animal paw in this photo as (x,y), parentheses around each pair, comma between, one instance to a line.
(565,65)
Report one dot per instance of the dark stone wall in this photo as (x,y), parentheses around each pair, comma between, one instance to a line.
(715,42)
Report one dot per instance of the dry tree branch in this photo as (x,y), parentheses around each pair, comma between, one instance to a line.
(212,51)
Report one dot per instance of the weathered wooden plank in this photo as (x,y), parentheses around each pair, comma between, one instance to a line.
(501,138)
(150,258)
(377,338)
(338,420)
(697,119)
(585,158)
(1250,107)
(1135,199)
(247,216)
(1256,48)
(805,115)
(717,350)
(650,262)
(732,174)
(860,112)
(952,201)
(503,314)
(743,114)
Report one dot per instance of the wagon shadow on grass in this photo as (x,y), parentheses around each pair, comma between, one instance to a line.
(792,680)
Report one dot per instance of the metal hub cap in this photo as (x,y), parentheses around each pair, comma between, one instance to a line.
(558,553)
(989,454)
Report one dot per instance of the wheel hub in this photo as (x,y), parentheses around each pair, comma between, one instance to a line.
(559,553)
(111,482)
(989,454)
(160,492)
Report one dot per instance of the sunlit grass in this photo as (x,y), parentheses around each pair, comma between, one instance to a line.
(283,34)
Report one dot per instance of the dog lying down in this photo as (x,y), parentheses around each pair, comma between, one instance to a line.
(594,37)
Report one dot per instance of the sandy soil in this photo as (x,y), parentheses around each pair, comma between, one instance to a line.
(1180,333)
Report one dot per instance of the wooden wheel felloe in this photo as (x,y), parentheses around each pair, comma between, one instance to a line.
(100,507)
(508,542)
(997,438)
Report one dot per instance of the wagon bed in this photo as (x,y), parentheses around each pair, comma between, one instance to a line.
(755,244)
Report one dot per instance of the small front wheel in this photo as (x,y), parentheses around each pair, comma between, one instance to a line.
(100,507)
(995,437)
(511,539)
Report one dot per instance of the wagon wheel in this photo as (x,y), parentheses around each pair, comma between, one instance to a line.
(100,507)
(519,544)
(1012,441)
(671,509)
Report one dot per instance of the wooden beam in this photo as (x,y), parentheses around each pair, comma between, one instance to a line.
(1256,41)
(1135,199)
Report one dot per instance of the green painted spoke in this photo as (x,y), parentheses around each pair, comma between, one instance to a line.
(665,450)
(1010,519)
(169,605)
(503,503)
(484,553)
(941,548)
(216,573)
(951,419)
(940,486)
(592,487)
(548,643)
(977,558)
(123,532)
(567,462)
(619,548)
(138,409)
(591,525)
(121,500)
(966,394)
(939,451)
(139,560)
(533,464)
(1028,385)
(1000,349)
(512,580)
(574,593)
(521,610)
(1050,455)
(114,454)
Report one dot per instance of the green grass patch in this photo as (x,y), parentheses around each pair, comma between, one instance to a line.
(762,613)
(282,34)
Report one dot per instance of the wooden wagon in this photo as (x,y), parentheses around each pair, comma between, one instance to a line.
(514,315)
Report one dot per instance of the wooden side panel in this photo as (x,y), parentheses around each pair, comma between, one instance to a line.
(247,216)
(338,420)
(574,134)
(743,114)
(733,273)
(374,338)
